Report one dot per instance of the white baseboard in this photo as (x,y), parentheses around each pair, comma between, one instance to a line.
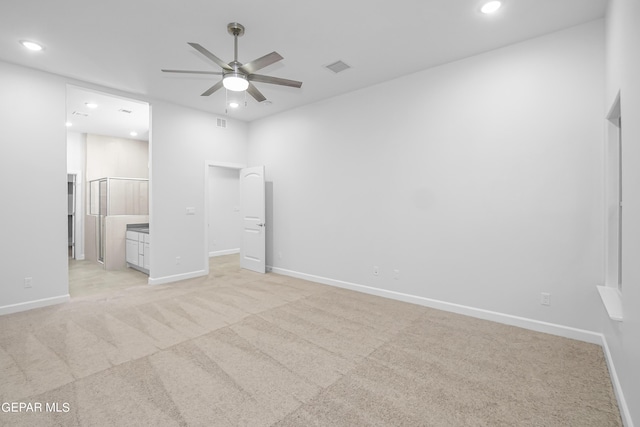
(176,277)
(80,257)
(29,305)
(522,322)
(617,388)
(224,252)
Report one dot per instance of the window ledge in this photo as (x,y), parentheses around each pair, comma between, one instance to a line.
(612,300)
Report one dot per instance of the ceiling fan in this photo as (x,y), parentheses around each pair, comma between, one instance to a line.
(237,76)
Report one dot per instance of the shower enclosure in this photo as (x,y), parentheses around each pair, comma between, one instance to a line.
(113,203)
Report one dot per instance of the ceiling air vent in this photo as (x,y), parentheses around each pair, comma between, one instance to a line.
(338,67)
(122,110)
(222,123)
(79,113)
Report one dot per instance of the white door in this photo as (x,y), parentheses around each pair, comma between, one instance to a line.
(253,247)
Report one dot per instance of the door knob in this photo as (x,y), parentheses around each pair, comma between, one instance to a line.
(260,225)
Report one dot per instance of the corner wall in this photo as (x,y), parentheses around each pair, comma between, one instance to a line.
(33,176)
(182,140)
(478,183)
(623,74)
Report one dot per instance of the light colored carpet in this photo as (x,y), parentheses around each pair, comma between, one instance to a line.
(239,348)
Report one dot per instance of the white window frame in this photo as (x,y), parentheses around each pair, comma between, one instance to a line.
(611,292)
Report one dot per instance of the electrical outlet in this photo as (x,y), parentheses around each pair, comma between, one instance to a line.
(376,270)
(545,298)
(28,282)
(178,260)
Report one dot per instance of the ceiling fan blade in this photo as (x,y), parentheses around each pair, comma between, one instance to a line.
(260,63)
(274,80)
(253,91)
(215,73)
(211,56)
(212,89)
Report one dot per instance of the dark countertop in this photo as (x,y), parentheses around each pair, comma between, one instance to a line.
(140,228)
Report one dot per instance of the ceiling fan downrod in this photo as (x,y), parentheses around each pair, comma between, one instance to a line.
(236,30)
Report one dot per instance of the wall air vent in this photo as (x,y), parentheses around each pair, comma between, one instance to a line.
(79,113)
(222,123)
(338,67)
(122,110)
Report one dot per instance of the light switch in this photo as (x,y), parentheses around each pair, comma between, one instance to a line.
(191,211)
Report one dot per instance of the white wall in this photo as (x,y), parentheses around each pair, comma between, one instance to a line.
(76,151)
(480,181)
(109,156)
(182,139)
(224,213)
(623,74)
(33,178)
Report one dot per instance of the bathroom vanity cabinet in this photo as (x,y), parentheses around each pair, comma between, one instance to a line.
(138,248)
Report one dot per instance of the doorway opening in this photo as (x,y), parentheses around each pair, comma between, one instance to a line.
(222,212)
(108,178)
(235,214)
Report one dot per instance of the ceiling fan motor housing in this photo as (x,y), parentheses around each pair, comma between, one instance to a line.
(235,29)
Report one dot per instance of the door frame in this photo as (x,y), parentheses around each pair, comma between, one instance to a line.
(79,215)
(207,165)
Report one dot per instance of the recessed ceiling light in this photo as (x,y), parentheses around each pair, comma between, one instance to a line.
(68,124)
(133,133)
(91,104)
(233,104)
(36,47)
(491,7)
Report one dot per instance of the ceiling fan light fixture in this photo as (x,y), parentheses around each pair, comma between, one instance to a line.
(235,82)
(238,77)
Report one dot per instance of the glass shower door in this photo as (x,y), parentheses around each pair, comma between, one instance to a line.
(114,197)
(98,208)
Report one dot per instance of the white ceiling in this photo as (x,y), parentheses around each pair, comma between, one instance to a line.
(113,115)
(123,44)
